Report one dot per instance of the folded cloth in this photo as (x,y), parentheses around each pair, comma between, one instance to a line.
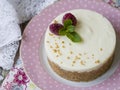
(9,28)
(26,9)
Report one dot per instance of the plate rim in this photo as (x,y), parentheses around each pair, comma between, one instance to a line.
(44,31)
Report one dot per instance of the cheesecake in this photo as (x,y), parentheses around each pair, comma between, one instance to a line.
(87,59)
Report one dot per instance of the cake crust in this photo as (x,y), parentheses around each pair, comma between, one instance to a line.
(82,76)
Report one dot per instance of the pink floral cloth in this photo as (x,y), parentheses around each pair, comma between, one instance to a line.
(18,80)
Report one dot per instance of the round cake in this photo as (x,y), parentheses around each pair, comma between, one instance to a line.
(87,59)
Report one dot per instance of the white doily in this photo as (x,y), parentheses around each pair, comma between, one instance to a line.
(9,34)
(9,28)
(7,54)
(26,9)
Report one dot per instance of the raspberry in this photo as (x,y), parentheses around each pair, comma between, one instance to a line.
(55,27)
(70,16)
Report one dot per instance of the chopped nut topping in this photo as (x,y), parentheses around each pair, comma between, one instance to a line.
(61,62)
(51,34)
(77,58)
(55,50)
(56,43)
(97,61)
(74,62)
(59,52)
(71,52)
(82,63)
(63,42)
(68,57)
(51,47)
(63,46)
(55,21)
(101,49)
(57,46)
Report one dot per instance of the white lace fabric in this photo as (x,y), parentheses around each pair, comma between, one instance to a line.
(7,54)
(9,34)
(9,29)
(26,9)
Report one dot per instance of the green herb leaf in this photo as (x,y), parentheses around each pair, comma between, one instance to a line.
(67,22)
(70,28)
(62,31)
(74,36)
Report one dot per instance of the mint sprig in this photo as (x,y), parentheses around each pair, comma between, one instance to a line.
(70,28)
(62,31)
(74,36)
(69,31)
(67,22)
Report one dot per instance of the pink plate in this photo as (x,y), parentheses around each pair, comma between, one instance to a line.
(30,47)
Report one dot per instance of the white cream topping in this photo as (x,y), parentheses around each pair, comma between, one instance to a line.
(98,44)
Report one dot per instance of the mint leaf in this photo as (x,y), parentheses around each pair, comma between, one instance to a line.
(62,31)
(70,28)
(74,37)
(67,22)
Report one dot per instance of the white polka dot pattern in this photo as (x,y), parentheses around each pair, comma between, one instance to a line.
(35,30)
